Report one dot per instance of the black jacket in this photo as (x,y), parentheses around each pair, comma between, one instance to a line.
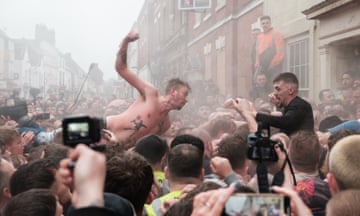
(297,115)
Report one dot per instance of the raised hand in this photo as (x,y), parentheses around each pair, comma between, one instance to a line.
(132,36)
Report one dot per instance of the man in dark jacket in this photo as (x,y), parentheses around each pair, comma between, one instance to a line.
(297,113)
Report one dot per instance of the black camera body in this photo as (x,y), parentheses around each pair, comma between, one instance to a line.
(260,147)
(82,129)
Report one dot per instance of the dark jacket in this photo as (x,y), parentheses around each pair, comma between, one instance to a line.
(297,115)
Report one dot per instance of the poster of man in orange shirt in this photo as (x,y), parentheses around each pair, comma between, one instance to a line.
(269,50)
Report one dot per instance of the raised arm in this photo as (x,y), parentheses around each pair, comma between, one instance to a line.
(144,88)
(245,109)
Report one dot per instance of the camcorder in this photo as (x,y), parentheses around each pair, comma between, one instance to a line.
(257,204)
(82,129)
(260,146)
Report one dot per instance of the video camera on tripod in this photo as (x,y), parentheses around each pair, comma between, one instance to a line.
(261,147)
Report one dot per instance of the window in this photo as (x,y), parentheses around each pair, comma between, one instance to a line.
(197,20)
(298,62)
(220,4)
(207,14)
(194,4)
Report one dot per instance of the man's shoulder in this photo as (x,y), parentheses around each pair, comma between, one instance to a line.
(299,101)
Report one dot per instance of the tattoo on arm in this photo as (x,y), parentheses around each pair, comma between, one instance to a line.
(124,58)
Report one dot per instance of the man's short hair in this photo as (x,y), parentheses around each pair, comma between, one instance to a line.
(152,148)
(265,17)
(175,84)
(33,202)
(344,162)
(184,161)
(338,135)
(234,148)
(344,203)
(287,77)
(129,175)
(188,139)
(37,174)
(221,125)
(304,151)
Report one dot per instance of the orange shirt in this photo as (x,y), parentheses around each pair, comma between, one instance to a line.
(266,40)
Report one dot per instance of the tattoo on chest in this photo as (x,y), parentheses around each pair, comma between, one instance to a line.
(138,124)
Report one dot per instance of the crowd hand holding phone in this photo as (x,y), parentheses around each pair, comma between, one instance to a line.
(86,177)
(212,203)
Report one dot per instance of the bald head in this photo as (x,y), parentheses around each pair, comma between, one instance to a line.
(344,162)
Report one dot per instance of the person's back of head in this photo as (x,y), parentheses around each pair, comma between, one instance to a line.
(152,147)
(234,148)
(184,162)
(37,174)
(329,122)
(185,205)
(344,164)
(188,139)
(56,152)
(304,151)
(242,130)
(344,203)
(115,148)
(219,125)
(205,137)
(33,202)
(129,175)
(338,135)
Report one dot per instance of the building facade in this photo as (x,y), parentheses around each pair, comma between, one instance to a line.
(27,64)
(337,40)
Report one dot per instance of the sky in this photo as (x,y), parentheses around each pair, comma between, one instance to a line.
(91,30)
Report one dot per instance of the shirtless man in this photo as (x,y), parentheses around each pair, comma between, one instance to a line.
(149,113)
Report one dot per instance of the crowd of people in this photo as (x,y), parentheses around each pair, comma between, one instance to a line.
(187,162)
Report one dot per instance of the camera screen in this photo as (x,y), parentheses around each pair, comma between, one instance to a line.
(257,204)
(78,130)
